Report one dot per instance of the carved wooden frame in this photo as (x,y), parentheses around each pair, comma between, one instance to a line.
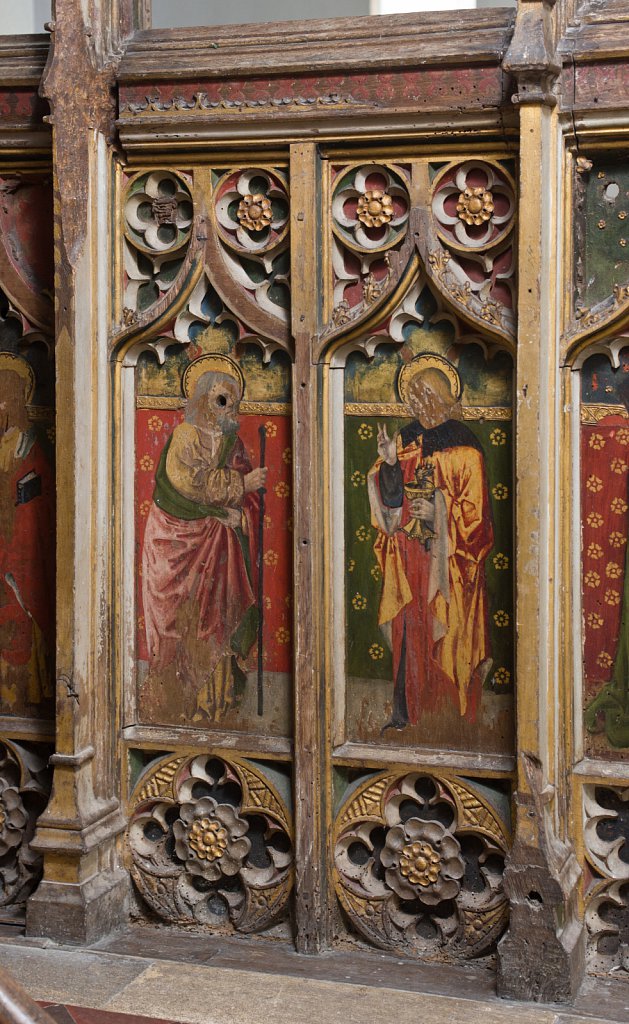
(124,112)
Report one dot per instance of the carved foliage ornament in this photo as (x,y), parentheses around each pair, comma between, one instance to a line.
(24,790)
(211,843)
(419,863)
(471,255)
(606,835)
(370,211)
(252,219)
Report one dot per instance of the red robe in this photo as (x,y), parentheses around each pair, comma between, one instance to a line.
(434,603)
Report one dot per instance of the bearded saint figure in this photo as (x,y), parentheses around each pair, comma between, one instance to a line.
(27,547)
(199,559)
(430,505)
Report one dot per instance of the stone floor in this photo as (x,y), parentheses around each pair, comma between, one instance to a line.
(162,975)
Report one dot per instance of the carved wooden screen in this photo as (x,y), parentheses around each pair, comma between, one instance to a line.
(316,659)
(341,339)
(27,474)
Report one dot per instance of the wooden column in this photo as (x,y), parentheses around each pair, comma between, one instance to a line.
(306,301)
(542,955)
(83,892)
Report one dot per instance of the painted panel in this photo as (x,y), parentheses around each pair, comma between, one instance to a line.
(213,537)
(428,543)
(27,490)
(605,519)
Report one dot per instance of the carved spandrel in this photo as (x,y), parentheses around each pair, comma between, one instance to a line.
(414,874)
(215,847)
(24,791)
(606,836)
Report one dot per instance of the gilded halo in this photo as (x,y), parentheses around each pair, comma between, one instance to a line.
(211,364)
(428,361)
(10,363)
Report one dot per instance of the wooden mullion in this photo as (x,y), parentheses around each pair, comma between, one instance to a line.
(307,548)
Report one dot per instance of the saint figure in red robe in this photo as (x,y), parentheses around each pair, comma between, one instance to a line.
(199,577)
(27,549)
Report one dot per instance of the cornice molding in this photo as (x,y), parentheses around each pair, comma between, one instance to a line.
(318,46)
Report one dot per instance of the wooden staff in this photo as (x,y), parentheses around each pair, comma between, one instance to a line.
(261,492)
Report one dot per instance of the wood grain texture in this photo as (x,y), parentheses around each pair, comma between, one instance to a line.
(385,42)
(305,289)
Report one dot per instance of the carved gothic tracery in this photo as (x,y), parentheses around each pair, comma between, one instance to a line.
(419,864)
(606,835)
(211,843)
(158,214)
(24,790)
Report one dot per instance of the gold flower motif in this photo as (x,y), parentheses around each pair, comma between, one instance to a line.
(592,579)
(282,635)
(376,652)
(622,436)
(597,442)
(375,208)
(155,423)
(146,463)
(594,620)
(270,557)
(365,431)
(358,479)
(351,565)
(51,434)
(498,437)
(613,571)
(612,597)
(594,484)
(376,572)
(617,539)
(268,522)
(619,466)
(267,603)
(622,215)
(500,561)
(601,224)
(618,506)
(501,618)
(270,428)
(254,212)
(287,456)
(208,838)
(604,660)
(502,676)
(500,492)
(594,519)
(623,242)
(475,206)
(282,489)
(420,863)
(144,508)
(362,533)
(595,551)
(359,603)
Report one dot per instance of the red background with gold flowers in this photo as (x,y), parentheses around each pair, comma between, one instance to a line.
(604,462)
(153,428)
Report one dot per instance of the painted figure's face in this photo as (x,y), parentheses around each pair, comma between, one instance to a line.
(426,403)
(222,402)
